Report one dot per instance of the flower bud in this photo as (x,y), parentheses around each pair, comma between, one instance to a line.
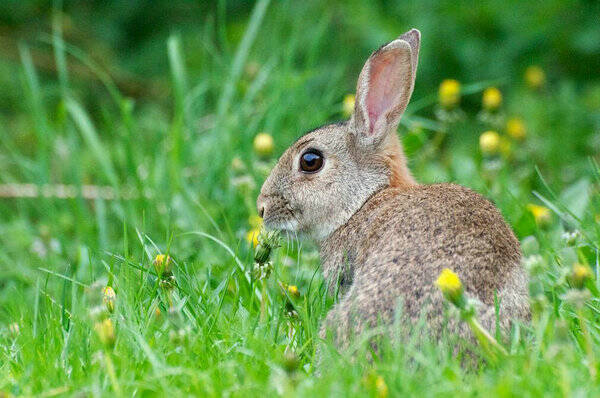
(515,128)
(162,264)
(293,291)
(489,142)
(263,145)
(449,93)
(376,384)
(492,99)
(381,387)
(108,298)
(106,332)
(535,77)
(349,101)
(580,275)
(266,242)
(541,214)
(450,285)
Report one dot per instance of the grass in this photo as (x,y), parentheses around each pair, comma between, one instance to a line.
(169,186)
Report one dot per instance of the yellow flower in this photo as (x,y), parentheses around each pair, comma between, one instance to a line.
(349,104)
(451,287)
(375,384)
(252,236)
(492,99)
(515,128)
(580,275)
(449,93)
(489,142)
(106,332)
(108,298)
(293,290)
(162,264)
(255,221)
(535,77)
(263,145)
(541,214)
(381,387)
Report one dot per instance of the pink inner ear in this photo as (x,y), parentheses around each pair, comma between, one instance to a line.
(385,84)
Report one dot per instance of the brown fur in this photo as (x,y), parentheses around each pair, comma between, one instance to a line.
(442,225)
(384,238)
(393,155)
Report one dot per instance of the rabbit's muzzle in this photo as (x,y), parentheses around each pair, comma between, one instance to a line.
(275,212)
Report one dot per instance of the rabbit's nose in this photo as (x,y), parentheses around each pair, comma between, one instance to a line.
(260,206)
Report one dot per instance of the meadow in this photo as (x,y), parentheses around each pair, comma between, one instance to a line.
(133,144)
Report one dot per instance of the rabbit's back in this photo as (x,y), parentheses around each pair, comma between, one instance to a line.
(397,244)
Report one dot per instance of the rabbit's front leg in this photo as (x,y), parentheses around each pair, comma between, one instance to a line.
(340,323)
(338,270)
(362,307)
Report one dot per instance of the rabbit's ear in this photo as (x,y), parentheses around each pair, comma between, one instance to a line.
(384,87)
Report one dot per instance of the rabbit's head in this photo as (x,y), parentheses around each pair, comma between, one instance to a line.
(329,173)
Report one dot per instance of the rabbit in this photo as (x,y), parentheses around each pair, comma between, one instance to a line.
(383,237)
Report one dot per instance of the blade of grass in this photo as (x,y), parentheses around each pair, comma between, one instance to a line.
(91,138)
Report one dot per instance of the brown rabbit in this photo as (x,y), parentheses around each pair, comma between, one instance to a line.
(383,237)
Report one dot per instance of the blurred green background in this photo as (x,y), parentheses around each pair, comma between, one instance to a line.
(158,103)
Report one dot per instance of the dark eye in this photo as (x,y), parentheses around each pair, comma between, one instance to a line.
(311,161)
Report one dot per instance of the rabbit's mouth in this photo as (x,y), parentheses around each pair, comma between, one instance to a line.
(281,223)
(277,213)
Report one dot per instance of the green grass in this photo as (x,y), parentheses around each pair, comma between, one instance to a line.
(165,165)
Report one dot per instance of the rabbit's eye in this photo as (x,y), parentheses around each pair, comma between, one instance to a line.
(311,161)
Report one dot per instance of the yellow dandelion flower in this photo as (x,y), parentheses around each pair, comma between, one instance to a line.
(449,93)
(535,77)
(255,221)
(381,387)
(162,264)
(489,142)
(580,275)
(450,285)
(515,128)
(541,214)
(492,99)
(106,332)
(263,145)
(348,106)
(293,291)
(252,236)
(108,298)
